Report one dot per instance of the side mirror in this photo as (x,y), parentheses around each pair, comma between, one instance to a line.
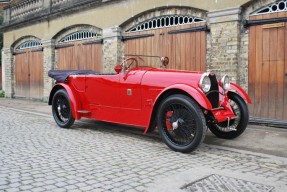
(164,61)
(118,68)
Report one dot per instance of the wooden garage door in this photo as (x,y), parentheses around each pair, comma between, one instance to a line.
(268,68)
(80,55)
(185,45)
(29,74)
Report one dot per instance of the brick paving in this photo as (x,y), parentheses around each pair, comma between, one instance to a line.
(36,155)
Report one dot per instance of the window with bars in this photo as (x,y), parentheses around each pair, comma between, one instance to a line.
(29,44)
(79,35)
(165,21)
(279,6)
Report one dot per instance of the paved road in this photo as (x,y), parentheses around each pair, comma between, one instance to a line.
(36,155)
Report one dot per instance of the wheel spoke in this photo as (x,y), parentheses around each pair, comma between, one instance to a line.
(184,131)
(62,109)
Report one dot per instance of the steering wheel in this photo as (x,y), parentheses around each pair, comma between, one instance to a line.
(132,61)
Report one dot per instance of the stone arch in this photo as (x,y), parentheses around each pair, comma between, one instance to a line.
(79,47)
(28,68)
(255,5)
(75,28)
(163,11)
(159,33)
(24,39)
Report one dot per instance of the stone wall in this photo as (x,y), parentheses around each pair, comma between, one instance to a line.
(112,49)
(227,41)
(8,71)
(49,62)
(224,42)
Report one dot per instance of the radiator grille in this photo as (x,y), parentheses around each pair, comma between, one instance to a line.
(213,94)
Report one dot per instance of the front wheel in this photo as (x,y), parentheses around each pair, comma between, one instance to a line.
(181,123)
(236,126)
(61,109)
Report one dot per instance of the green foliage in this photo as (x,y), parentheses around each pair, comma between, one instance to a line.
(2,93)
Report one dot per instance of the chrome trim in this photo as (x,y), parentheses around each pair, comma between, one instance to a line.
(206,74)
(222,81)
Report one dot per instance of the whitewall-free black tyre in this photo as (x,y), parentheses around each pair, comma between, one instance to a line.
(181,123)
(61,109)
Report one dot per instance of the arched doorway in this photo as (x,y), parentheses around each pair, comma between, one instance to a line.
(79,47)
(179,36)
(268,61)
(28,58)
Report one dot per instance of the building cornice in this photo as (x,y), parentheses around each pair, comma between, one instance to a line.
(46,11)
(226,15)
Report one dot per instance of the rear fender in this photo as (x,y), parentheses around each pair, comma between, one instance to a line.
(73,101)
(237,89)
(195,93)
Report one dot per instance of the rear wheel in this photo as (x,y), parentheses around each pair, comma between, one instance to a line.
(236,126)
(181,123)
(61,109)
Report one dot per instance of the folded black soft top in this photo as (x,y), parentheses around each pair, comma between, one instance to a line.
(62,75)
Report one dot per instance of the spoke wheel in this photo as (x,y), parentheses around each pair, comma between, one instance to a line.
(181,123)
(61,109)
(236,126)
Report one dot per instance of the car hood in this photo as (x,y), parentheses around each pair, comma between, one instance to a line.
(166,77)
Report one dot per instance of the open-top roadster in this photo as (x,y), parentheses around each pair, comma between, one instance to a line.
(180,104)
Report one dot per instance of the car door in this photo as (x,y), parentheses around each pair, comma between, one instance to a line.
(102,93)
(131,96)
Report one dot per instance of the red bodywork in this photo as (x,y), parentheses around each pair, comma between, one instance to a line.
(132,97)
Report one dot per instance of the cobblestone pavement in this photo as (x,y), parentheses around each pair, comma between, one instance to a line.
(36,155)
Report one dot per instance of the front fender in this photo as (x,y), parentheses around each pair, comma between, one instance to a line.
(195,93)
(75,104)
(240,91)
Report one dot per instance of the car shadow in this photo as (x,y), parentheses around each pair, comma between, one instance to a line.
(125,130)
(128,131)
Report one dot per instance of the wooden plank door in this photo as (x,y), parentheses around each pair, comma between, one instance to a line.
(80,56)
(29,71)
(267,69)
(22,86)
(186,51)
(36,70)
(146,45)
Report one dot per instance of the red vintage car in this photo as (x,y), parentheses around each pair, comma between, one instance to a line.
(180,104)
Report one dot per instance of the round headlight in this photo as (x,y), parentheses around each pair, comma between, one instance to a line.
(225,82)
(205,83)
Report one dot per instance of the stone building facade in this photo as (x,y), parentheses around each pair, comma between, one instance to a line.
(219,27)
(3,3)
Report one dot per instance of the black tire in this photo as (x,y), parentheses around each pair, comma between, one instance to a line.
(61,109)
(239,125)
(181,123)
